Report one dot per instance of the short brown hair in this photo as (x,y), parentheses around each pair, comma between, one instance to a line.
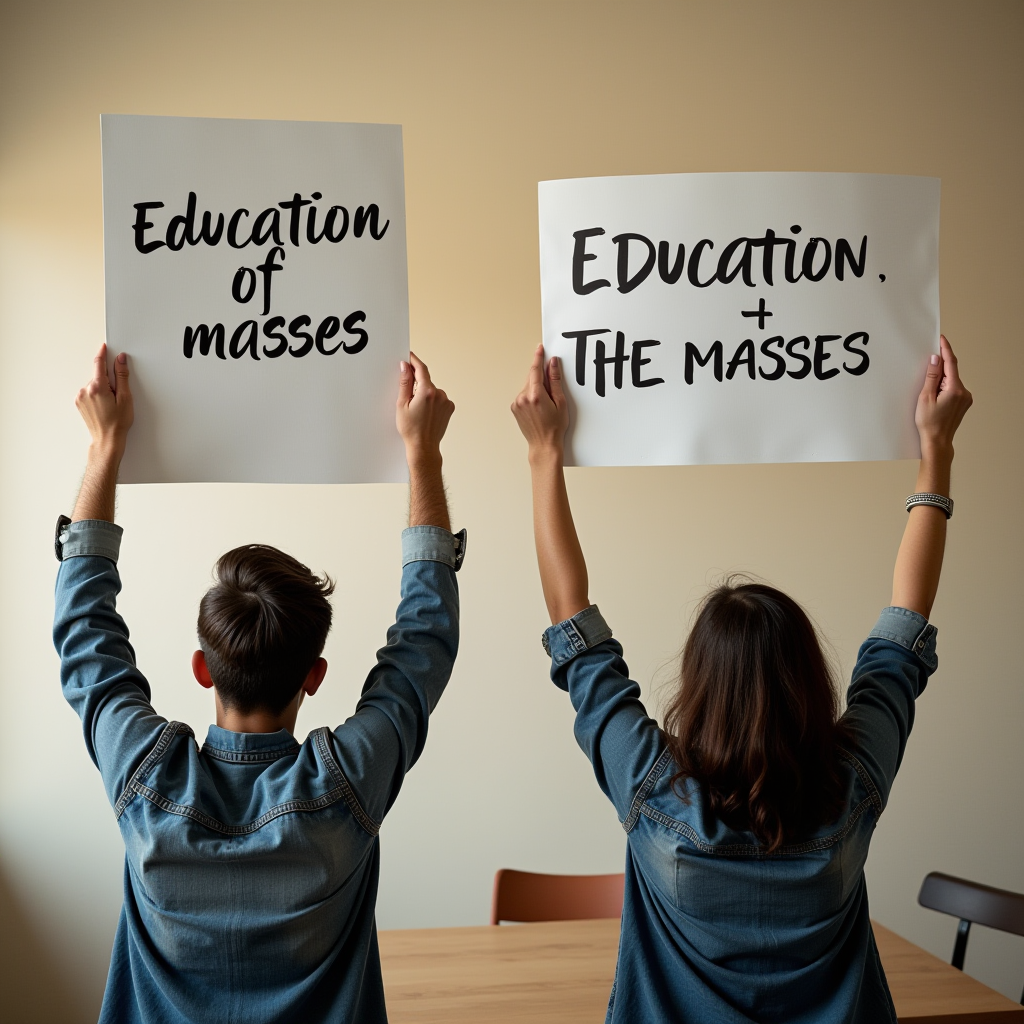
(262,626)
(756,719)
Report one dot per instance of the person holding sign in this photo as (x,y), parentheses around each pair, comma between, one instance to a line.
(749,814)
(252,862)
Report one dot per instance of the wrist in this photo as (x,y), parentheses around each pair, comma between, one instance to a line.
(934,475)
(936,453)
(423,458)
(546,454)
(106,450)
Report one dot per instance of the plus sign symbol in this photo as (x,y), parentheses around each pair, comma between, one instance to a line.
(760,313)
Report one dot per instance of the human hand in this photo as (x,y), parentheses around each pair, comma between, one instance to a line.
(541,409)
(941,405)
(106,405)
(423,411)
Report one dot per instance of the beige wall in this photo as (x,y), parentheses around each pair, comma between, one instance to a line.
(494,97)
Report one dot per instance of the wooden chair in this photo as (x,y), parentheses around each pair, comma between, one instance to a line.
(525,896)
(973,904)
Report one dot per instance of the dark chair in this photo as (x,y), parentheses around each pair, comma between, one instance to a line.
(973,904)
(525,896)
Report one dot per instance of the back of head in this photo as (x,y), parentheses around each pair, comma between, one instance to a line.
(262,627)
(755,719)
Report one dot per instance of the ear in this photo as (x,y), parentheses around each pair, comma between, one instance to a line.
(315,677)
(200,671)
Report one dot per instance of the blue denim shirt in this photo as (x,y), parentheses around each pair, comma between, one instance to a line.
(713,929)
(252,861)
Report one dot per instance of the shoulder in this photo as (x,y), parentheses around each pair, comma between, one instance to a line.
(235,790)
(681,810)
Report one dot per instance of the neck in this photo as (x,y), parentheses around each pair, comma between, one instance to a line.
(259,720)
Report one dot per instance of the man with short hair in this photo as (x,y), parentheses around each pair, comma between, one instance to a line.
(252,862)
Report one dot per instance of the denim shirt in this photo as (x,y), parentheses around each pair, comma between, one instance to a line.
(252,861)
(714,929)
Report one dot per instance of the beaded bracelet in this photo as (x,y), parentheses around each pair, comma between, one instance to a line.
(935,500)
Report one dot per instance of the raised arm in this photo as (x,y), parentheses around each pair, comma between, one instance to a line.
(898,656)
(941,407)
(542,413)
(385,736)
(97,664)
(612,726)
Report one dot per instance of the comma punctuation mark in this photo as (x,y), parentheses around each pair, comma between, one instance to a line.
(881,277)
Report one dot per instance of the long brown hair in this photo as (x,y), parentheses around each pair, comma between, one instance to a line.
(756,720)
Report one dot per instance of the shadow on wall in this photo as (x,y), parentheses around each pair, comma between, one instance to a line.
(31,982)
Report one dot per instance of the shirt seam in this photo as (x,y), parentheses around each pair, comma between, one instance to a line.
(644,791)
(342,790)
(869,785)
(220,754)
(288,807)
(323,745)
(748,850)
(169,731)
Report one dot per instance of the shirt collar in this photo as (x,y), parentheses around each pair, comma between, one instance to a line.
(224,739)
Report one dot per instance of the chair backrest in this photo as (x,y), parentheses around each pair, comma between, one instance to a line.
(525,896)
(980,904)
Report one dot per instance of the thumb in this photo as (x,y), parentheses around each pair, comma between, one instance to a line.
(122,390)
(555,380)
(405,383)
(932,377)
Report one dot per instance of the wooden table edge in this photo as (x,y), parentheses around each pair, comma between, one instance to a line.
(579,934)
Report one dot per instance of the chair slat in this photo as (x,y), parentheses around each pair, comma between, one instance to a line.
(527,896)
(971,901)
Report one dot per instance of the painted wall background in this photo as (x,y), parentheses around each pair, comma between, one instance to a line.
(494,97)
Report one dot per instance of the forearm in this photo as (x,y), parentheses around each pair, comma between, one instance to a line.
(99,485)
(919,562)
(563,569)
(428,503)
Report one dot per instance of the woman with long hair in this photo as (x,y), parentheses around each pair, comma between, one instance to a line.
(749,813)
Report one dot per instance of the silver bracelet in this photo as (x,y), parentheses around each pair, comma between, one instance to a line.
(935,500)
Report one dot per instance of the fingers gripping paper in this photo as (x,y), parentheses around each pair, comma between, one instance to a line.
(256,274)
(715,318)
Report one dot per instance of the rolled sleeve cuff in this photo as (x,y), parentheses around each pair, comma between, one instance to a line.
(565,640)
(432,544)
(91,537)
(911,631)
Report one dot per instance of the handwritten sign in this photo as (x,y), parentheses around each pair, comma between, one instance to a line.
(716,318)
(256,274)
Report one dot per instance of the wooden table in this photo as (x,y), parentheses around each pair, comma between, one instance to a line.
(561,973)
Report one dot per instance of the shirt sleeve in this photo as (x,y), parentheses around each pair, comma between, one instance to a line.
(892,670)
(612,726)
(97,664)
(385,736)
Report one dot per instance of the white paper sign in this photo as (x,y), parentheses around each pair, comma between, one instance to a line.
(256,274)
(722,318)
